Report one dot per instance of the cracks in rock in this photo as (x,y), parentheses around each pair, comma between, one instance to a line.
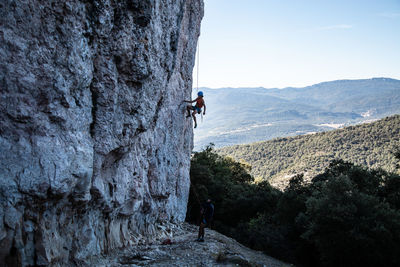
(96,195)
(93,13)
(94,96)
(146,207)
(160,197)
(158,108)
(94,10)
(114,156)
(135,85)
(140,130)
(111,188)
(125,128)
(142,11)
(174,40)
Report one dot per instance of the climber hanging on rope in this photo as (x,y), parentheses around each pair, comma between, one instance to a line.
(196,108)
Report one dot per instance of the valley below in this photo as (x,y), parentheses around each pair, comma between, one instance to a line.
(245,115)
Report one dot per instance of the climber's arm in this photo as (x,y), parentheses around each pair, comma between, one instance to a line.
(190,101)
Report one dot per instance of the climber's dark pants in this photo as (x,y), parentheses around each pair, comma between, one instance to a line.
(204,223)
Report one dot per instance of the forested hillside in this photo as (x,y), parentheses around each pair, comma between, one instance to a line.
(346,216)
(277,160)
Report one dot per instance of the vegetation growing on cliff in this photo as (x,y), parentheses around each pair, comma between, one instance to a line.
(347,216)
(369,145)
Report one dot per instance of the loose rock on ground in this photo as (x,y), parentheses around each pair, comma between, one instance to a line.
(217,250)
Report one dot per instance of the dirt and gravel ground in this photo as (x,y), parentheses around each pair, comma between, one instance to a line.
(183,250)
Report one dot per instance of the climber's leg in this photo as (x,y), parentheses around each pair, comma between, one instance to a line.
(194,118)
(188,109)
(201,232)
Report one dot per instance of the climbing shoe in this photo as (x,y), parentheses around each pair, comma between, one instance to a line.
(195,126)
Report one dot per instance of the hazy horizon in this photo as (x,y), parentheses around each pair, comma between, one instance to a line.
(250,87)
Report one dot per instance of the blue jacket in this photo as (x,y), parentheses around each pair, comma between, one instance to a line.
(208,210)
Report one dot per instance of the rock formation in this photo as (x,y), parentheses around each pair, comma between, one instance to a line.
(95,147)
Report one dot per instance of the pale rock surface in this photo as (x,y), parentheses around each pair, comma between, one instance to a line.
(94,144)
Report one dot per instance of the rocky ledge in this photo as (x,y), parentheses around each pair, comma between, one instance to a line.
(177,247)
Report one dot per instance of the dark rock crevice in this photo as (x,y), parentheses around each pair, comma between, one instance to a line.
(141,10)
(94,103)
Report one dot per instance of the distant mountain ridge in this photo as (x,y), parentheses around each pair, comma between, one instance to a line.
(245,115)
(370,145)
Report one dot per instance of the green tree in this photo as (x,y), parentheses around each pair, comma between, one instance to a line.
(347,221)
(346,216)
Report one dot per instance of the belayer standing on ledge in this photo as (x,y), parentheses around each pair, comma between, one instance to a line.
(196,108)
(207,213)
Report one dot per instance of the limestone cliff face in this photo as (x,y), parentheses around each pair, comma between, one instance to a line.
(95,147)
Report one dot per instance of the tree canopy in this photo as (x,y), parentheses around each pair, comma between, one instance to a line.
(369,145)
(347,215)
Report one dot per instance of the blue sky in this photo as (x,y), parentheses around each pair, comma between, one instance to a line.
(280,43)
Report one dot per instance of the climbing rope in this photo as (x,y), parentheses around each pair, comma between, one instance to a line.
(197,71)
(198,64)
